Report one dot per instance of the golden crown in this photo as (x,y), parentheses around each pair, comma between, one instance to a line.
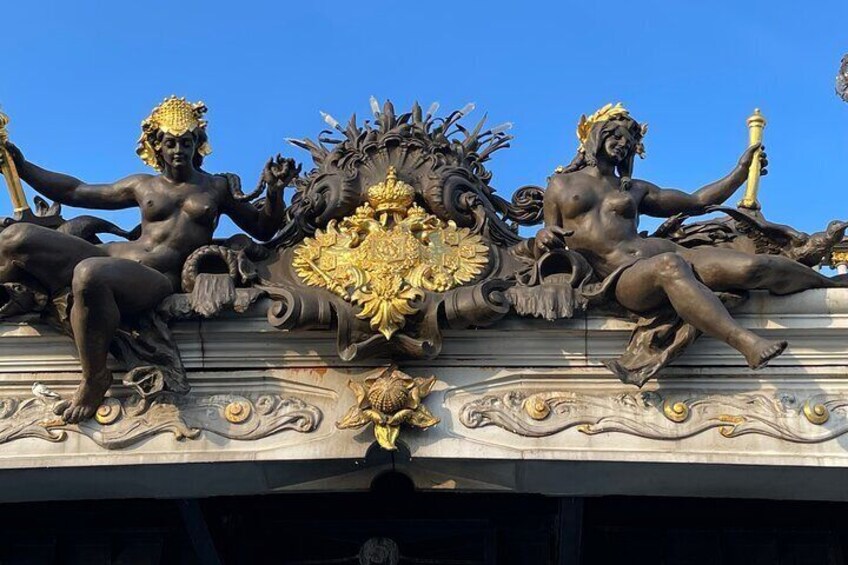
(391,195)
(175,116)
(607,112)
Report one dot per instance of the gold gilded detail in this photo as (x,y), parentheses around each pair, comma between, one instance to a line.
(174,116)
(537,407)
(816,414)
(108,412)
(237,411)
(388,401)
(675,411)
(605,113)
(391,195)
(732,421)
(9,171)
(387,254)
(756,123)
(838,257)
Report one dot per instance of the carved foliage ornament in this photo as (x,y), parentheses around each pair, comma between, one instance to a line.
(387,254)
(390,400)
(122,422)
(783,415)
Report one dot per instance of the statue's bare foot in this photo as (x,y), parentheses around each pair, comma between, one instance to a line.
(763,352)
(87,399)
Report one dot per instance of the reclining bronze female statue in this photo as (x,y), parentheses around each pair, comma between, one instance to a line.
(592,207)
(180,208)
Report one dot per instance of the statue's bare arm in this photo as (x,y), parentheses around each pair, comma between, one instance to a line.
(262,222)
(69,190)
(665,202)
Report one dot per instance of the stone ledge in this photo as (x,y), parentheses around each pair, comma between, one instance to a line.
(707,410)
(814,322)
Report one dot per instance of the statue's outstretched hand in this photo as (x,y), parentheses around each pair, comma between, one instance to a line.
(279,172)
(748,157)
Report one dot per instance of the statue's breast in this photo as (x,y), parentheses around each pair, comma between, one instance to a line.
(201,208)
(620,203)
(157,206)
(571,197)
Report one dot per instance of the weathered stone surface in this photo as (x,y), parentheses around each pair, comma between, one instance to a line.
(738,423)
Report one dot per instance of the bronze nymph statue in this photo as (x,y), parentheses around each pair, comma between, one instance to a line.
(180,208)
(592,207)
(394,234)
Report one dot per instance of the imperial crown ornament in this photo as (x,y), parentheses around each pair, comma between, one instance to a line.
(386,255)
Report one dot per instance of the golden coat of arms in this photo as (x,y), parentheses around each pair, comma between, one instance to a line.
(387,254)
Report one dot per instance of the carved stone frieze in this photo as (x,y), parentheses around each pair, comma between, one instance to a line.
(122,422)
(663,416)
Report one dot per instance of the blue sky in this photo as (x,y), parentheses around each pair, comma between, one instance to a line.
(78,77)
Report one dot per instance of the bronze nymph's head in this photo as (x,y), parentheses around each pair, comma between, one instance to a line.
(610,134)
(618,140)
(174,134)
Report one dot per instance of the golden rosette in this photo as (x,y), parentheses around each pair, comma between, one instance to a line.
(389,401)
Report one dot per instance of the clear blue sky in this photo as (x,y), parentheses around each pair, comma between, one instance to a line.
(78,77)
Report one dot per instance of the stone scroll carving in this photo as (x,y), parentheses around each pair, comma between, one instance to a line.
(663,416)
(123,422)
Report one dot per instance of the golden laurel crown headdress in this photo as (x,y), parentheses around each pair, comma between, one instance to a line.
(391,195)
(175,116)
(607,112)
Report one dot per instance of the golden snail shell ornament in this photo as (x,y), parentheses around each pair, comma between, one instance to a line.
(388,401)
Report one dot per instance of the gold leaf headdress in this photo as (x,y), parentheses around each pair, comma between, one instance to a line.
(175,116)
(607,112)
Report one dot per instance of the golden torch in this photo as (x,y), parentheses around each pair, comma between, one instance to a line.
(756,123)
(10,172)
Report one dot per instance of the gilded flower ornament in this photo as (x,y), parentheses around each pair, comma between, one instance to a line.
(390,400)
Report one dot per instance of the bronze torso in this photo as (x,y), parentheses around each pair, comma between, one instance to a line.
(603,218)
(176,219)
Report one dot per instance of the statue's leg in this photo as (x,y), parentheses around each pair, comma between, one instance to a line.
(727,269)
(33,253)
(668,279)
(105,289)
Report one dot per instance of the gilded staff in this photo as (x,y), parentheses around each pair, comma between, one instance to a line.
(10,172)
(756,123)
